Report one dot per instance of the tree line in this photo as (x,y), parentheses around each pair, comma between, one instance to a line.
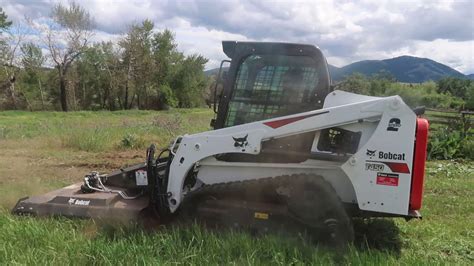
(446,93)
(61,69)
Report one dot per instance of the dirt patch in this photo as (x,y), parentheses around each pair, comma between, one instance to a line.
(31,167)
(105,162)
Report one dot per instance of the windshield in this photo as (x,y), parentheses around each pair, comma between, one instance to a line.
(269,86)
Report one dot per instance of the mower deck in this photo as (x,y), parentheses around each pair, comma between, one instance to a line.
(71,202)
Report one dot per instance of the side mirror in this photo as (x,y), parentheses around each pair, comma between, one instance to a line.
(419,110)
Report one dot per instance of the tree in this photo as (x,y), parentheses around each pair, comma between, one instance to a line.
(167,61)
(380,82)
(137,62)
(4,23)
(455,86)
(99,76)
(470,97)
(190,81)
(10,49)
(32,61)
(111,63)
(356,83)
(67,40)
(145,70)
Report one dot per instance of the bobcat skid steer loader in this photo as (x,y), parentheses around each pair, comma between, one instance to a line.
(285,149)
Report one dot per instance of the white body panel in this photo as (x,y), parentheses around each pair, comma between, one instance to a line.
(371,116)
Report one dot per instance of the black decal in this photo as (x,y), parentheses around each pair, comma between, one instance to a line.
(241,142)
(397,167)
(394,124)
(374,167)
(370,153)
(391,156)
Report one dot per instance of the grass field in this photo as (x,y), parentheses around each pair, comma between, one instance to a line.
(42,151)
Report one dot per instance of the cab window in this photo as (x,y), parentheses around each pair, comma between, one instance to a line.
(269,86)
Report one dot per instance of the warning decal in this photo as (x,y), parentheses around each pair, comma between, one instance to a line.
(387,179)
(261,215)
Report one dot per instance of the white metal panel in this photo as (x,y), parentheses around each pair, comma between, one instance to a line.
(353,108)
(378,197)
(340,98)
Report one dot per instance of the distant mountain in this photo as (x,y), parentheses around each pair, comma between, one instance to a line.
(405,68)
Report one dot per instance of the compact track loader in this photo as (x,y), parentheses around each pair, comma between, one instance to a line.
(285,149)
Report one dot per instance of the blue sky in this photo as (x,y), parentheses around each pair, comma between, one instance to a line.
(347,31)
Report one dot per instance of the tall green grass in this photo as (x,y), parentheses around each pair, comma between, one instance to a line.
(444,237)
(96,131)
(27,240)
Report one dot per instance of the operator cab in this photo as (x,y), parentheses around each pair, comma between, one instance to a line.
(267,80)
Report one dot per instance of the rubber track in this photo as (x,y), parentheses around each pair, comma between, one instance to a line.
(232,189)
(256,186)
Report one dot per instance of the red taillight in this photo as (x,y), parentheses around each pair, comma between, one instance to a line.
(419,159)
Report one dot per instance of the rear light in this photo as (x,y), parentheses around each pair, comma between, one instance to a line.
(419,160)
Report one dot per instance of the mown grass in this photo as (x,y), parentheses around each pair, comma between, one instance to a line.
(444,236)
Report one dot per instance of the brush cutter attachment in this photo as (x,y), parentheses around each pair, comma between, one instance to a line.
(119,196)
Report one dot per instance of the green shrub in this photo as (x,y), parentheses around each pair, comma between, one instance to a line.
(423,95)
(467,148)
(132,141)
(167,97)
(444,145)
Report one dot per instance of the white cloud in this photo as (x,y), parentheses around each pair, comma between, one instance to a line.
(347,31)
(206,42)
(459,55)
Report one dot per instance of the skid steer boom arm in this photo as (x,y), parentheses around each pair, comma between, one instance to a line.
(392,146)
